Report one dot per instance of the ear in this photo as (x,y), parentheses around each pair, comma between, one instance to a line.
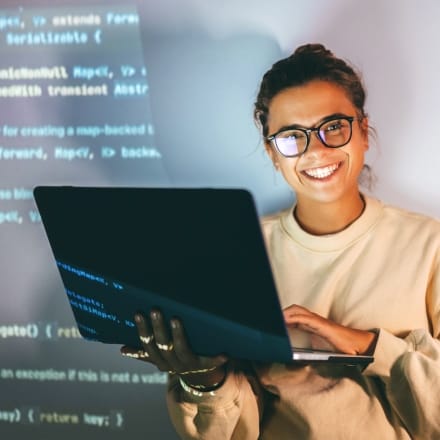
(364,129)
(271,153)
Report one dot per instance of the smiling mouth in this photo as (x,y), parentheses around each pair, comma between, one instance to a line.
(323,172)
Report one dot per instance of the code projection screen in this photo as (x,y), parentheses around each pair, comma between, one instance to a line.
(75,109)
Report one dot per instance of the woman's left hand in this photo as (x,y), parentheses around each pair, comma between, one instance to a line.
(340,338)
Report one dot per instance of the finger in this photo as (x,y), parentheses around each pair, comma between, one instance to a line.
(309,322)
(164,342)
(298,314)
(304,320)
(296,310)
(148,339)
(184,353)
(182,348)
(145,332)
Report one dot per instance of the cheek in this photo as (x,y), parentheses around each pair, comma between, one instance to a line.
(356,159)
(289,170)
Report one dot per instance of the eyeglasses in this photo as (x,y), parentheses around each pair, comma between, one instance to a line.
(333,133)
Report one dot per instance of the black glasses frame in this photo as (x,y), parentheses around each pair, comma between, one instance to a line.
(308,131)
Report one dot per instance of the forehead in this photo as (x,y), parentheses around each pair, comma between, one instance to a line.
(306,105)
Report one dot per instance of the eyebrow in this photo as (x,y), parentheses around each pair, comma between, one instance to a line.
(324,119)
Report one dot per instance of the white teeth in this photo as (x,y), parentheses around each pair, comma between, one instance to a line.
(322,173)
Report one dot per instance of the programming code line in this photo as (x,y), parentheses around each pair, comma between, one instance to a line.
(85,66)
(37,415)
(74,375)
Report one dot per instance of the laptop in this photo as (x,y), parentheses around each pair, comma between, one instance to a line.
(194,253)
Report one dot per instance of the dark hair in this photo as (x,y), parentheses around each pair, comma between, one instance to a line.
(308,63)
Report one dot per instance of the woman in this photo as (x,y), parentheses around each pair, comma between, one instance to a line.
(352,273)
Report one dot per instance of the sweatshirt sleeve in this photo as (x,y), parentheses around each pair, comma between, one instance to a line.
(410,370)
(231,412)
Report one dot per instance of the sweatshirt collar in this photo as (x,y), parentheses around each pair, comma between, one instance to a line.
(339,240)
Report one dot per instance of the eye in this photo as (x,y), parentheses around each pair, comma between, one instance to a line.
(291,135)
(333,126)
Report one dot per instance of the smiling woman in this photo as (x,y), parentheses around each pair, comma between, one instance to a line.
(325,179)
(347,281)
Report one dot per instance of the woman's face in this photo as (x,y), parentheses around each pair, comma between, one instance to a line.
(321,174)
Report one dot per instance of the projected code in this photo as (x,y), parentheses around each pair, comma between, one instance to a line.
(37,415)
(79,79)
(39,331)
(41,416)
(74,92)
(16,23)
(130,87)
(89,376)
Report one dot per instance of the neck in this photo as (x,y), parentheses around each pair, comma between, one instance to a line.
(319,218)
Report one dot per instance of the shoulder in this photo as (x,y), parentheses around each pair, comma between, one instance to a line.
(400,225)
(270,222)
(410,218)
(275,227)
(271,219)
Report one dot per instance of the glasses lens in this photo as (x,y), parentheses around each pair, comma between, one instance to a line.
(291,142)
(335,133)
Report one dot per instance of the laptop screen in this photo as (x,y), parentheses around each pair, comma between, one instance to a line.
(199,248)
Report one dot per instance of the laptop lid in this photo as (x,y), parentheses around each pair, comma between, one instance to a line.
(195,253)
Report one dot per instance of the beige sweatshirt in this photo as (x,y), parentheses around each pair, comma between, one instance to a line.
(382,272)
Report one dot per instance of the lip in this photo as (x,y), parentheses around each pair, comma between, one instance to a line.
(321,171)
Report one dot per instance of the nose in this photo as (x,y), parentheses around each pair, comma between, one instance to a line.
(315,143)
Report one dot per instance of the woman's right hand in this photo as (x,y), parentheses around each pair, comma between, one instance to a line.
(168,349)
